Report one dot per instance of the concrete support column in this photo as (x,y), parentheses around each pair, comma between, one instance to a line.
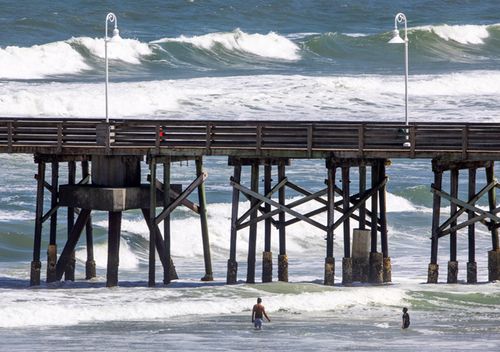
(432,273)
(283,267)
(51,263)
(360,255)
(494,265)
(329,271)
(387,270)
(346,271)
(232,271)
(376,268)
(452,272)
(471,272)
(267,266)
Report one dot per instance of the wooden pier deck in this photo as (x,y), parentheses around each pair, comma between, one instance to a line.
(116,149)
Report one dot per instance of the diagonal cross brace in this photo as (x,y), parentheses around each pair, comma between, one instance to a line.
(257,205)
(462,209)
(277,205)
(366,195)
(173,194)
(198,181)
(464,205)
(466,223)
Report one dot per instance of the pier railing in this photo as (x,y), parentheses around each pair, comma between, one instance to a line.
(249,138)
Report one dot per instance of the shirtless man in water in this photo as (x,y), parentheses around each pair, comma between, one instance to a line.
(257,312)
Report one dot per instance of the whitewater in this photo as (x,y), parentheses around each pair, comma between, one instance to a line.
(275,60)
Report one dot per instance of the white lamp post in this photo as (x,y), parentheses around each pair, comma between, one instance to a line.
(116,34)
(400,17)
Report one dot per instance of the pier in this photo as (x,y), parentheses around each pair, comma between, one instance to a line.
(110,155)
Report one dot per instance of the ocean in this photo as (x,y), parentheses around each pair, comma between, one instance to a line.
(237,60)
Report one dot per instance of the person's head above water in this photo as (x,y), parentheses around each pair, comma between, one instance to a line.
(405,310)
(259,300)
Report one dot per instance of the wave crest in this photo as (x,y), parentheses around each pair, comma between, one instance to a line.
(269,45)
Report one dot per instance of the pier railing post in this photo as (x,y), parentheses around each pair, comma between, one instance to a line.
(204,224)
(36,265)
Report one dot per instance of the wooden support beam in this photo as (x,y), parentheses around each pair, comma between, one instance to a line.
(374,210)
(36,264)
(232,265)
(69,275)
(345,196)
(74,236)
(52,249)
(492,200)
(184,194)
(252,238)
(202,199)
(90,267)
(165,258)
(383,210)
(53,202)
(166,223)
(470,215)
(282,257)
(152,219)
(453,210)
(362,189)
(114,230)
(436,208)
(330,211)
(267,208)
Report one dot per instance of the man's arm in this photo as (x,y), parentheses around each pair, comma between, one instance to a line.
(264,311)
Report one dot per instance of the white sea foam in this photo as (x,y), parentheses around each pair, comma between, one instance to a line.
(137,304)
(40,61)
(463,34)
(269,45)
(16,215)
(466,96)
(123,49)
(128,259)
